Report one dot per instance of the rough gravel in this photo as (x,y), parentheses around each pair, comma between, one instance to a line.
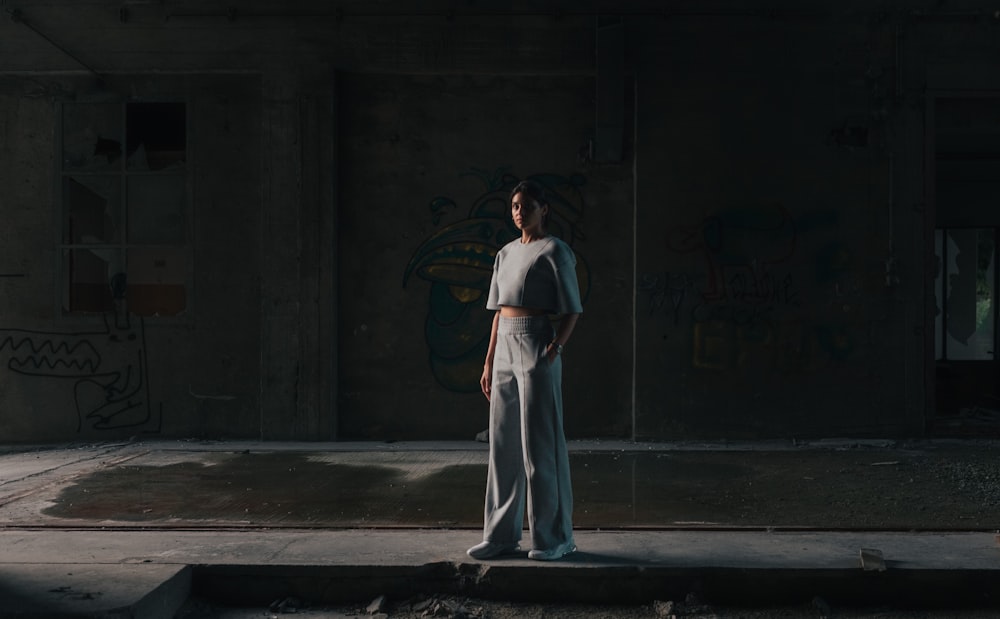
(446,607)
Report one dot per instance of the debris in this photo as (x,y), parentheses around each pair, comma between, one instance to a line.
(483,437)
(440,608)
(450,609)
(889,463)
(378,605)
(824,609)
(872,560)
(692,605)
(665,610)
(286,605)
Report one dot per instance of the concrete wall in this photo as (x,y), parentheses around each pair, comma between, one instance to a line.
(756,262)
(763,242)
(427,164)
(118,373)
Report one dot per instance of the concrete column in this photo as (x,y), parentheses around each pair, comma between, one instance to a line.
(281,252)
(297,370)
(316,418)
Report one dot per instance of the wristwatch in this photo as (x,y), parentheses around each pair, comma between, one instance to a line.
(558,348)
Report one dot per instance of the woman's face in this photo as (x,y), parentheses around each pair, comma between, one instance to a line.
(528,214)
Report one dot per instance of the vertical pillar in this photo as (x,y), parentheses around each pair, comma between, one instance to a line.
(297,287)
(280,254)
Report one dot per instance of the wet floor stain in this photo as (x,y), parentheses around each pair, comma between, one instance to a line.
(263,489)
(611,490)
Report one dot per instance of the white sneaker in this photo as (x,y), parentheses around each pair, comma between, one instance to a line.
(488,550)
(558,552)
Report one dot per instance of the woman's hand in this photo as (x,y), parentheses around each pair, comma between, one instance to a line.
(486,382)
(552,351)
(566,326)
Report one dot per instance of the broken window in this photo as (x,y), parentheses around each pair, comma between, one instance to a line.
(124,207)
(965,290)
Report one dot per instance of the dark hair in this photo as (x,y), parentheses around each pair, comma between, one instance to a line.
(530,189)
(536,192)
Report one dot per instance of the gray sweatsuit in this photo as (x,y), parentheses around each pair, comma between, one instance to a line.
(527,443)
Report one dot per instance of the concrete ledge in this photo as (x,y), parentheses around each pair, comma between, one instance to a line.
(158,591)
(51,591)
(91,572)
(248,585)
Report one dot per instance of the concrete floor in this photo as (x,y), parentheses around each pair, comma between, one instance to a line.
(853,485)
(139,525)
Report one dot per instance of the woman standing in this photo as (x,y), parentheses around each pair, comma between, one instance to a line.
(533,276)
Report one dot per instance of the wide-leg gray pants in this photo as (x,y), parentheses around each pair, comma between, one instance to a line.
(527,443)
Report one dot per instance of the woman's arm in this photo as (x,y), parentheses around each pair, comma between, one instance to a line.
(486,382)
(563,333)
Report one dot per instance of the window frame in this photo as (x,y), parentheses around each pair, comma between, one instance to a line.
(123,244)
(942,289)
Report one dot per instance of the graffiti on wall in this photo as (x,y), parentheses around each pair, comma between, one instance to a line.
(105,370)
(739,246)
(741,300)
(457,261)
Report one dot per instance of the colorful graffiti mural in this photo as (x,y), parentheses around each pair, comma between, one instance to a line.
(457,261)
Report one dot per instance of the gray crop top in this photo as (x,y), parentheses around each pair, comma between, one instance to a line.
(540,274)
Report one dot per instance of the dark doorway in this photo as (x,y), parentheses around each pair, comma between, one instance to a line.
(967,230)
